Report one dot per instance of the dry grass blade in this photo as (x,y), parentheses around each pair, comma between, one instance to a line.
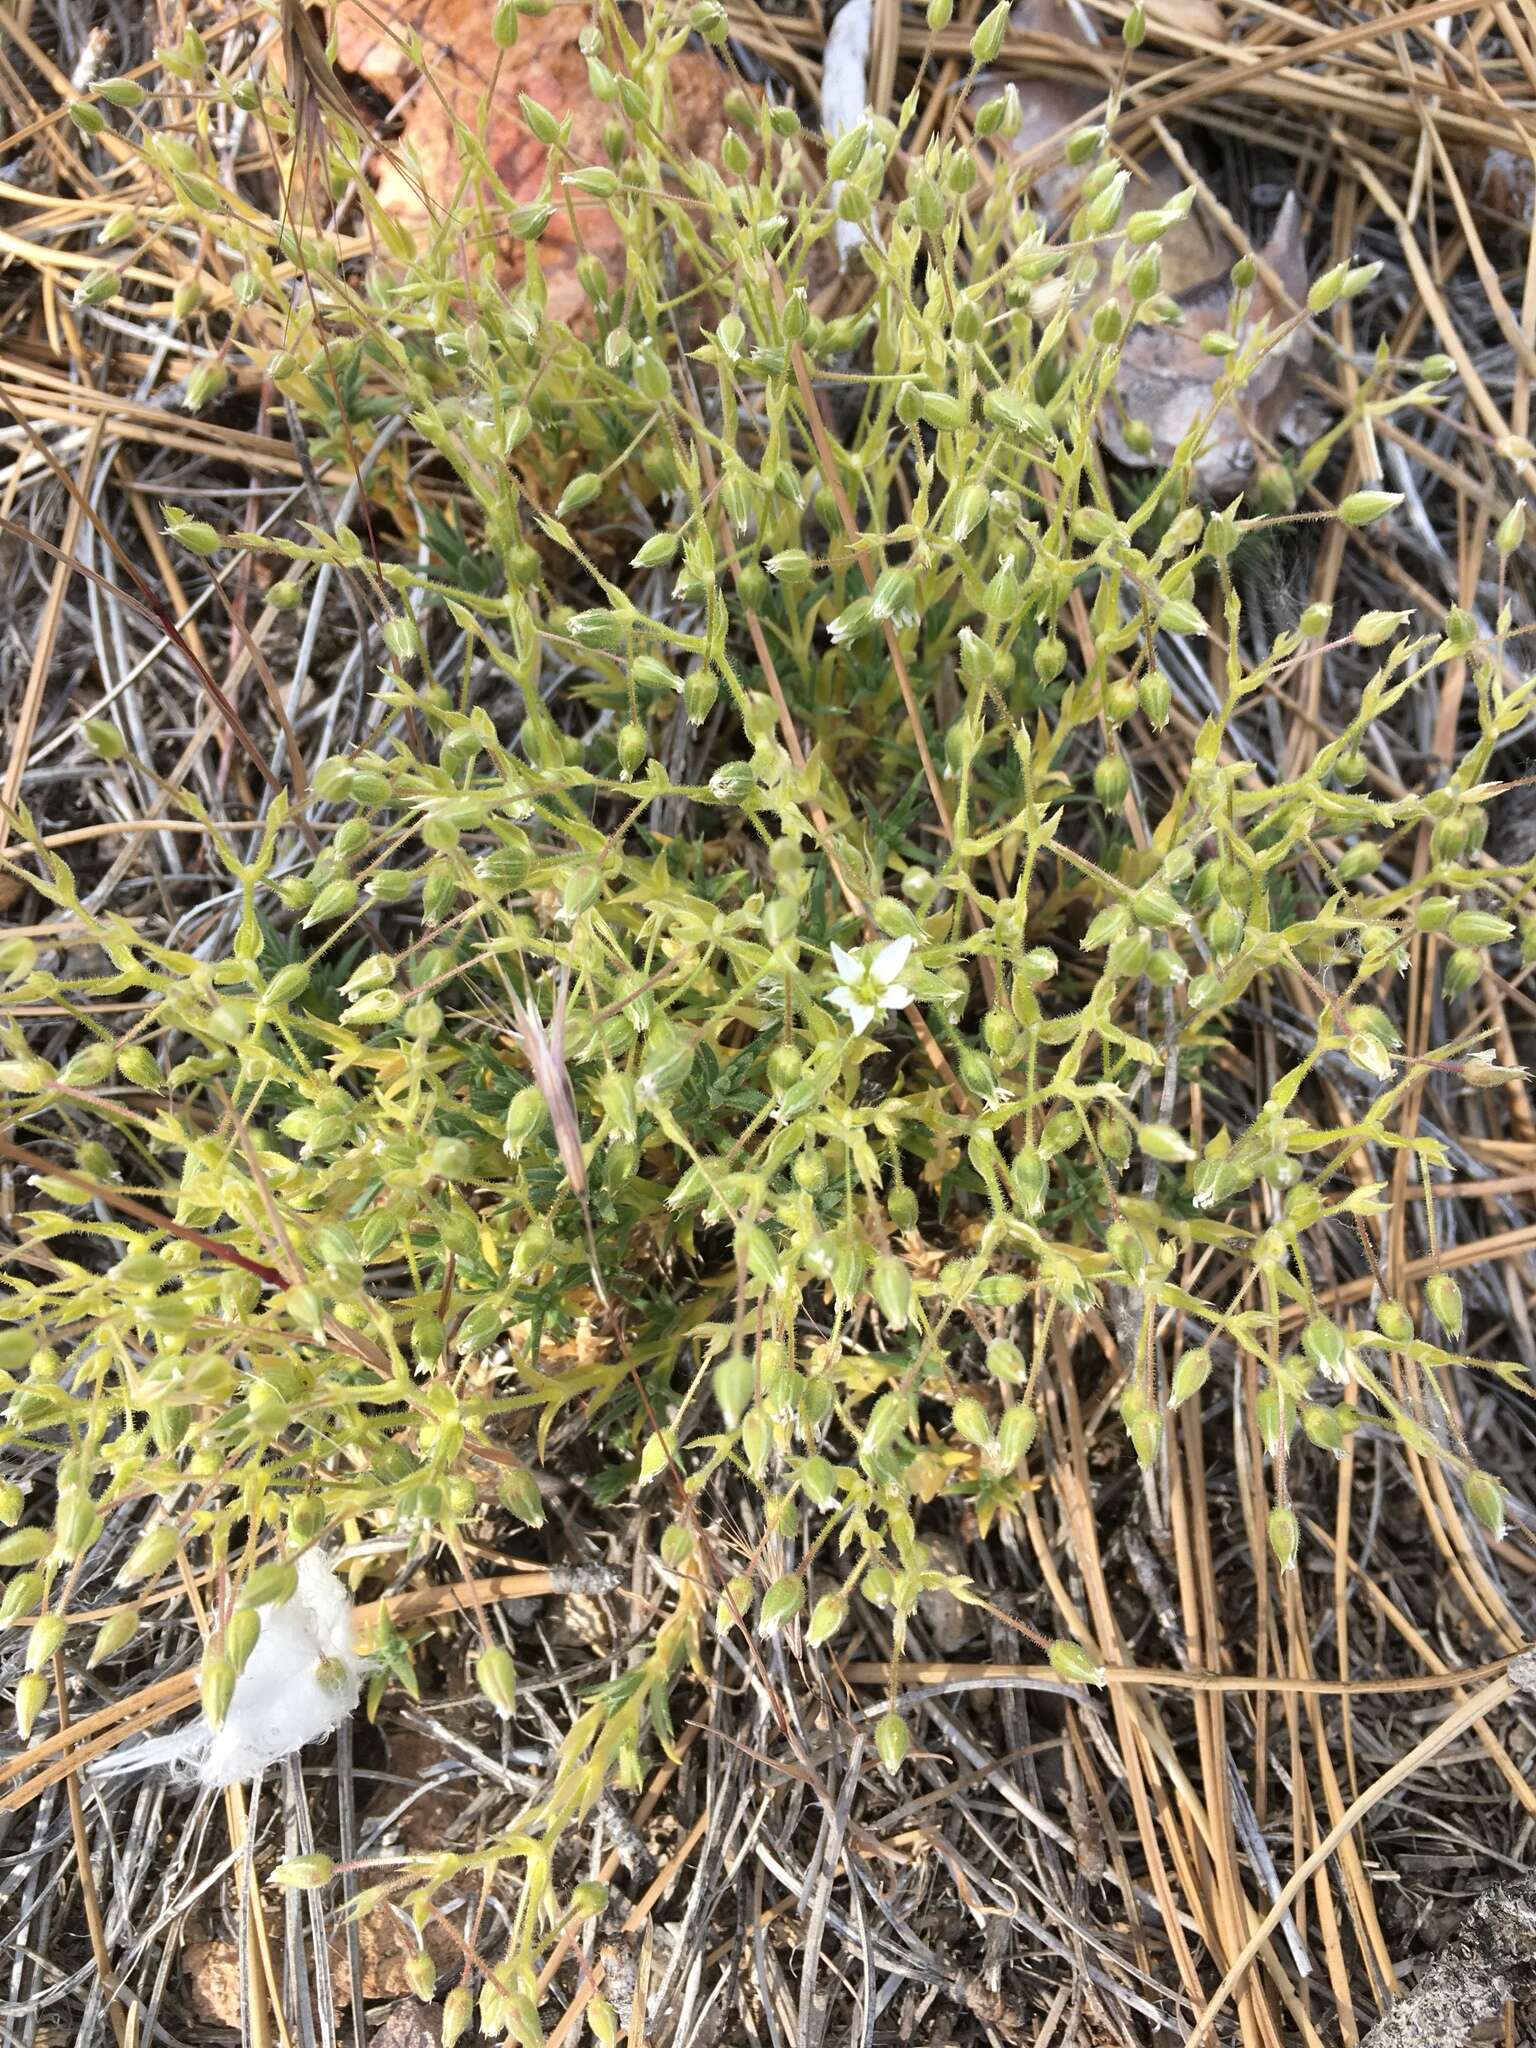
(544,1048)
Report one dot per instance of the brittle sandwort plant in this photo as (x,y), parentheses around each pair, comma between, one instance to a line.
(818,968)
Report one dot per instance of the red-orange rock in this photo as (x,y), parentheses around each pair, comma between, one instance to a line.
(547,65)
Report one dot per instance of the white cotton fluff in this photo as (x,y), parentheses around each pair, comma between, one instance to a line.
(301,1682)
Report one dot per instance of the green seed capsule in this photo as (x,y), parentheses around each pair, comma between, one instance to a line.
(1479,928)
(1015,1434)
(216,1682)
(98,288)
(1364,508)
(21,1595)
(1445,1303)
(1225,930)
(496,1676)
(1129,954)
(269,1585)
(631,747)
(968,511)
(1061,1128)
(1434,913)
(458,2010)
(115,1634)
(939,409)
(699,694)
(1155,695)
(1000,1029)
(242,1635)
(1463,970)
(335,900)
(1029,1176)
(893,1738)
(1485,1497)
(1325,1344)
(1050,658)
(827,1618)
(76,1524)
(580,491)
(1358,862)
(1450,838)
(1394,1322)
(735,1383)
(1074,1665)
(1322,1427)
(1112,781)
(1121,699)
(31,1697)
(781,1603)
(891,1286)
(1190,1375)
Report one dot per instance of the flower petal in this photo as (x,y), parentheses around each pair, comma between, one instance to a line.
(860,1015)
(840,997)
(847,966)
(895,997)
(891,958)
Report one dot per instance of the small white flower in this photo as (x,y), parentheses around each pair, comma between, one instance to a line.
(870,981)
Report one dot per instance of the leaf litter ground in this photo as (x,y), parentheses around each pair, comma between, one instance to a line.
(1051,1867)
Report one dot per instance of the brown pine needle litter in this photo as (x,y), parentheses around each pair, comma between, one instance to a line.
(766,929)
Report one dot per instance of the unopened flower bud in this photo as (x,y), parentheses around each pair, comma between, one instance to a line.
(496,1676)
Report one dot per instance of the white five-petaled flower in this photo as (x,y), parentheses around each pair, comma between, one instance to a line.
(868,983)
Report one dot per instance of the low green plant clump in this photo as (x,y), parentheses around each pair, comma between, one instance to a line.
(799,991)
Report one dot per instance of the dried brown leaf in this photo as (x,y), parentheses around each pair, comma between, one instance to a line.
(1167,381)
(1053,104)
(1193,17)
